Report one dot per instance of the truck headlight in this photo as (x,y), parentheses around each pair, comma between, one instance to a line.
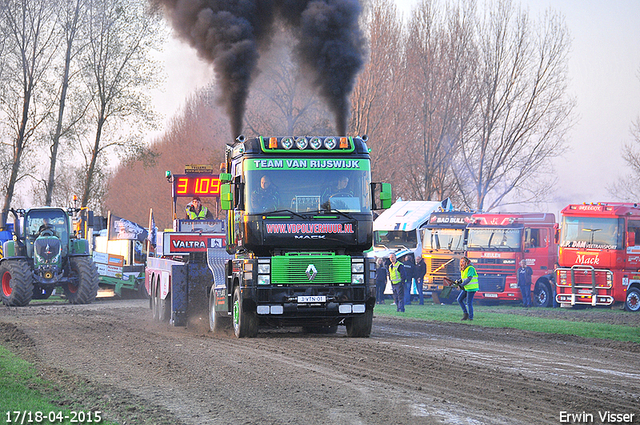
(264,279)
(264,268)
(357,279)
(357,267)
(513,285)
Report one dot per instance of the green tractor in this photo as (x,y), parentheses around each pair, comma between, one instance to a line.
(44,254)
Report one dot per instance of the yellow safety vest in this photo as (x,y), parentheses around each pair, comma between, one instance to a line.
(473,285)
(200,216)
(394,273)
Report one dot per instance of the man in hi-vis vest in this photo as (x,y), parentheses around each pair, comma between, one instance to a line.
(397,277)
(469,286)
(196,211)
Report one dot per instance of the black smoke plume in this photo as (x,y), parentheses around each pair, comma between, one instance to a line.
(231,33)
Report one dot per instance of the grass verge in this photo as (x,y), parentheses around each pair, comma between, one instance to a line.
(24,393)
(492,319)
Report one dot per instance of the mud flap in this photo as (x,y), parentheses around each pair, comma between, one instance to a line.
(179,291)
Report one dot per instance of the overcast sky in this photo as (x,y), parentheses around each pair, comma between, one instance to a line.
(604,72)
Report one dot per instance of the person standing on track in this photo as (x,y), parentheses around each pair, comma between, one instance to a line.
(469,285)
(397,277)
(381,280)
(524,282)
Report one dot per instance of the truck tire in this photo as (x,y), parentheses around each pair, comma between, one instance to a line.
(245,323)
(217,323)
(17,283)
(360,326)
(85,273)
(632,302)
(542,295)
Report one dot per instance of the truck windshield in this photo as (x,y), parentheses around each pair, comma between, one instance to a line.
(395,239)
(494,238)
(305,185)
(445,239)
(591,232)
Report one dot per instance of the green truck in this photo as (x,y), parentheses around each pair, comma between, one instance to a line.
(299,223)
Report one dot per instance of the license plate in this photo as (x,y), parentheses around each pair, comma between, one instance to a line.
(312,299)
(491,295)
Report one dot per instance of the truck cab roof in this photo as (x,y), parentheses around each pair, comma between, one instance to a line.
(406,215)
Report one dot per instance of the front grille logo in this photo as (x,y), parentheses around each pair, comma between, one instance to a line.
(311,272)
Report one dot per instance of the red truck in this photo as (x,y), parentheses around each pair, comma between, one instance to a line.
(599,255)
(496,243)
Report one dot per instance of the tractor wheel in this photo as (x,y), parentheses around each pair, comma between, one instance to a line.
(360,326)
(84,287)
(245,323)
(217,323)
(17,283)
(542,295)
(632,302)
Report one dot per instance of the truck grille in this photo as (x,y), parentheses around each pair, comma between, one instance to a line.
(291,269)
(491,283)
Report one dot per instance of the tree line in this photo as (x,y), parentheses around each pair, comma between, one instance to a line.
(460,99)
(73,80)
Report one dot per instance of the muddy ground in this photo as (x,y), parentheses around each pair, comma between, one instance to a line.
(111,356)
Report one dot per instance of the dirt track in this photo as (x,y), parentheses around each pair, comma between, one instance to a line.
(112,357)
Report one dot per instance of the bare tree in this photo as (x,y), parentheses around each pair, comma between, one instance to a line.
(377,103)
(441,78)
(523,110)
(31,35)
(121,36)
(626,188)
(72,13)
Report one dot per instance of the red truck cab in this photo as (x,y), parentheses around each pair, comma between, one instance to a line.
(498,242)
(599,255)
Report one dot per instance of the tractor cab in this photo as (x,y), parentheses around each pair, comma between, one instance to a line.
(44,226)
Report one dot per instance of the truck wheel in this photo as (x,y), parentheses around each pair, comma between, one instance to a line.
(542,295)
(360,326)
(245,323)
(632,302)
(217,323)
(17,283)
(84,288)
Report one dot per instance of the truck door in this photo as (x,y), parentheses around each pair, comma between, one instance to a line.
(536,248)
(633,243)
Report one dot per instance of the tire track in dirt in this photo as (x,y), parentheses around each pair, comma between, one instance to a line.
(407,372)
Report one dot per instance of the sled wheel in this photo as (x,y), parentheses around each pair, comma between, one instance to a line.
(217,323)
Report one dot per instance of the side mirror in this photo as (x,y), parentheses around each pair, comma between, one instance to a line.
(631,238)
(385,195)
(381,196)
(226,197)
